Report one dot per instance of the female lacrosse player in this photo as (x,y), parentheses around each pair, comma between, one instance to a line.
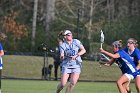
(125,63)
(135,56)
(2,37)
(70,52)
(1,63)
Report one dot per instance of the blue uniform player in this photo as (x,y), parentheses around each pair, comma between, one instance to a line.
(125,63)
(135,56)
(70,52)
(1,63)
(1,54)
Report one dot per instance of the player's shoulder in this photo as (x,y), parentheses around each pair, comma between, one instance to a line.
(63,44)
(76,40)
(125,49)
(122,52)
(136,49)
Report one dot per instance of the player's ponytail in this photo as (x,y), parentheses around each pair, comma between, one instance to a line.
(61,36)
(117,44)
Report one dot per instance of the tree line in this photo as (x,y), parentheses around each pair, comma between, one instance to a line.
(29,23)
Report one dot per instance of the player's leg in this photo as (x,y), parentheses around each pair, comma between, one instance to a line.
(137,83)
(0,79)
(63,82)
(120,83)
(64,78)
(126,86)
(73,79)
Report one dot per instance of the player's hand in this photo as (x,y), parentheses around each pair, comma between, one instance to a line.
(62,56)
(107,64)
(73,57)
(102,50)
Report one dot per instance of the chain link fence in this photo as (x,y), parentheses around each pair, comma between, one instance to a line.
(31,67)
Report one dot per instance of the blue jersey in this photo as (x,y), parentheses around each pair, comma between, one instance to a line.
(135,55)
(71,50)
(1,62)
(125,63)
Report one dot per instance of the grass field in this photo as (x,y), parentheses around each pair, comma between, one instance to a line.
(38,86)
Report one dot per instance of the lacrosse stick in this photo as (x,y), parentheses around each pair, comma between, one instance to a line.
(102,39)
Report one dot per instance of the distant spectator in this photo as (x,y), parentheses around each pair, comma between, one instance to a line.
(57,60)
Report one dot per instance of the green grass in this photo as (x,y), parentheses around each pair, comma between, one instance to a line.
(36,86)
(22,66)
(30,67)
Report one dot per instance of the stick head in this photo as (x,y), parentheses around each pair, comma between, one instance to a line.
(102,37)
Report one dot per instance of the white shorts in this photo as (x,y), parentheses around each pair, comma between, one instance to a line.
(70,70)
(129,76)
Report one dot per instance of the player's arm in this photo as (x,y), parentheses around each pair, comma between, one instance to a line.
(138,57)
(81,52)
(62,56)
(1,52)
(109,54)
(81,48)
(138,66)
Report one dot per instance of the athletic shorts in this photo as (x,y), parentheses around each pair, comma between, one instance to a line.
(70,70)
(129,76)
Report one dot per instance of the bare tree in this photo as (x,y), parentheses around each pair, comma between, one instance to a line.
(34,24)
(90,20)
(50,14)
(109,11)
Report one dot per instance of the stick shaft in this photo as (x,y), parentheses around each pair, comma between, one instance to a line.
(101,45)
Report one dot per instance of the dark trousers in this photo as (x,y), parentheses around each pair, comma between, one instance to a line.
(56,66)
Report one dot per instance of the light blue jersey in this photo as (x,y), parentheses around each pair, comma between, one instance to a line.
(126,64)
(71,50)
(135,55)
(1,62)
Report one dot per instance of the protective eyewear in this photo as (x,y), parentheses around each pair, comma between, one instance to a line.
(68,35)
(130,42)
